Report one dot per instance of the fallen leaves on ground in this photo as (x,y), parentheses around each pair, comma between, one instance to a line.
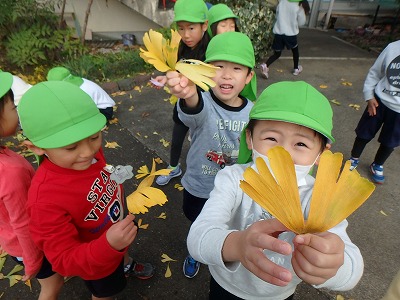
(383,213)
(164,142)
(142,172)
(178,187)
(112,145)
(119,93)
(166,259)
(355,106)
(158,160)
(162,216)
(323,86)
(141,225)
(334,101)
(113,121)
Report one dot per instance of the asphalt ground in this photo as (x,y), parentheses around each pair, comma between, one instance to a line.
(144,115)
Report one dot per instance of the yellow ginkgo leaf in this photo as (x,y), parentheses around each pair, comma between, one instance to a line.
(111,145)
(166,258)
(198,72)
(383,213)
(146,196)
(164,142)
(162,216)
(113,121)
(323,86)
(141,225)
(142,172)
(158,160)
(334,198)
(29,284)
(14,279)
(178,187)
(168,272)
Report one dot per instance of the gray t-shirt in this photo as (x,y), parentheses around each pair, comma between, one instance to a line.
(215,131)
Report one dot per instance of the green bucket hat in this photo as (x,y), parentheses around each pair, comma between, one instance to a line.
(63,74)
(218,13)
(194,11)
(295,102)
(6,81)
(234,47)
(55,114)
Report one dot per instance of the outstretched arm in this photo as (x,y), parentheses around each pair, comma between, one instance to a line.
(183,88)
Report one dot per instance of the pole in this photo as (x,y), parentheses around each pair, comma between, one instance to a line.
(328,14)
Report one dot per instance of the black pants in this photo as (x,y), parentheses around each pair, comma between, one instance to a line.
(218,293)
(179,132)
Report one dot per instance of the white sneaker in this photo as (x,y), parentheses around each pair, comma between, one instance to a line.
(297,71)
(264,71)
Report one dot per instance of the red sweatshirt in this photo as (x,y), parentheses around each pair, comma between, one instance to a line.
(15,239)
(70,213)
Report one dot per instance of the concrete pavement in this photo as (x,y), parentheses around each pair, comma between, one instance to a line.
(338,70)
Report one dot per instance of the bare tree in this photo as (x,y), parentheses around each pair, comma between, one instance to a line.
(86,21)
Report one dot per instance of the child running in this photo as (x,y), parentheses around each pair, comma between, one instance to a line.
(16,177)
(191,17)
(75,206)
(215,119)
(250,254)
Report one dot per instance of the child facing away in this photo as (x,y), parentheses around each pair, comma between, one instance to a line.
(16,177)
(250,254)
(290,14)
(102,100)
(215,119)
(382,94)
(76,209)
(191,17)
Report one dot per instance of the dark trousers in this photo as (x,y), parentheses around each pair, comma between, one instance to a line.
(179,132)
(218,293)
(192,205)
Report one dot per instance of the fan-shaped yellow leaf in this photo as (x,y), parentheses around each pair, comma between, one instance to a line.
(168,272)
(166,258)
(198,72)
(142,172)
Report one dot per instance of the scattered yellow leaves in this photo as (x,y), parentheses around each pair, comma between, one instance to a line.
(339,297)
(334,197)
(112,145)
(137,88)
(158,160)
(346,83)
(279,70)
(141,225)
(355,106)
(166,259)
(163,55)
(113,121)
(323,86)
(162,216)
(9,144)
(155,132)
(130,108)
(383,213)
(119,93)
(146,196)
(178,187)
(164,142)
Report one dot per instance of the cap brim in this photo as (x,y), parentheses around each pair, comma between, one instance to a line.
(227,57)
(294,118)
(6,81)
(73,133)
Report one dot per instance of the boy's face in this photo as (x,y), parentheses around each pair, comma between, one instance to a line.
(9,118)
(230,80)
(191,33)
(301,142)
(226,25)
(77,156)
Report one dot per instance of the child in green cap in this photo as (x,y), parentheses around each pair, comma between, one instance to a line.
(215,119)
(75,203)
(250,254)
(16,176)
(191,17)
(221,19)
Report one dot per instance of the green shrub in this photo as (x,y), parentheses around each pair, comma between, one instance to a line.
(101,67)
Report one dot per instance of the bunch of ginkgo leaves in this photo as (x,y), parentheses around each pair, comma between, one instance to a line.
(163,55)
(334,197)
